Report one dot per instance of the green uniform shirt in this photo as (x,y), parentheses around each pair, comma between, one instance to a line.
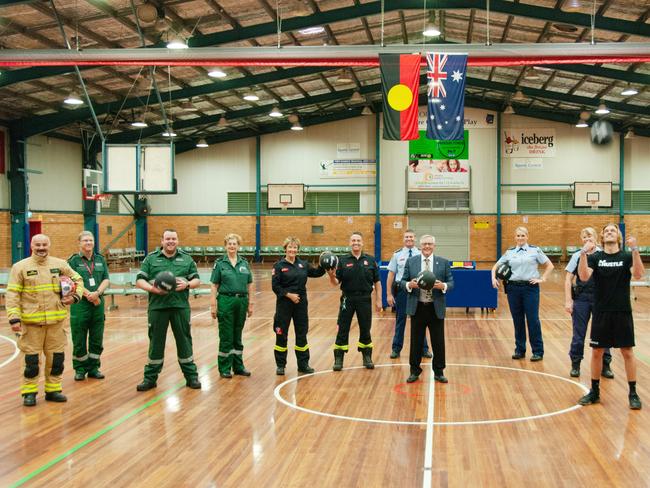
(181,264)
(94,268)
(231,279)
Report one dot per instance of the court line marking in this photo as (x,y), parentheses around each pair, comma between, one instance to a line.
(428,444)
(14,355)
(281,399)
(106,430)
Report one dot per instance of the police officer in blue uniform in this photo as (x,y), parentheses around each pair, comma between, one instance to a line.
(522,290)
(396,296)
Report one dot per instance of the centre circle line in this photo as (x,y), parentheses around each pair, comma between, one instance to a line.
(16,351)
(281,399)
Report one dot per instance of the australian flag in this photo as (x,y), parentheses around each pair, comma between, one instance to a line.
(446,96)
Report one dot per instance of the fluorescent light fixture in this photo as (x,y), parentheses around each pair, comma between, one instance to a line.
(275,112)
(177,43)
(202,143)
(629,134)
(73,99)
(343,77)
(582,123)
(356,97)
(571,6)
(318,29)
(169,134)
(629,91)
(139,124)
(542,68)
(216,73)
(366,110)
(602,109)
(296,126)
(431,31)
(251,97)
(509,110)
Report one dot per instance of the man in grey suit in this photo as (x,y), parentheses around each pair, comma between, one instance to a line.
(427,308)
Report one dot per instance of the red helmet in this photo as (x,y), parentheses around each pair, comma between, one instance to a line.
(68,287)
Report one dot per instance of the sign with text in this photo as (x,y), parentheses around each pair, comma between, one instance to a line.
(424,148)
(528,143)
(440,174)
(348,168)
(528,164)
(474,118)
(348,150)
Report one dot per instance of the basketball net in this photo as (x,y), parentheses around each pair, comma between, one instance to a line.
(284,206)
(594,204)
(104,200)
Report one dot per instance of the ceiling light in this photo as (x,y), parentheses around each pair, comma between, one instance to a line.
(629,91)
(251,97)
(366,110)
(542,68)
(431,31)
(147,13)
(275,112)
(582,123)
(73,99)
(202,143)
(509,109)
(139,124)
(216,73)
(572,6)
(356,97)
(169,134)
(602,109)
(222,122)
(531,75)
(293,118)
(177,43)
(296,126)
(519,96)
(343,77)
(188,106)
(312,30)
(629,134)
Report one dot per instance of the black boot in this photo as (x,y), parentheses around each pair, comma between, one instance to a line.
(367,358)
(338,359)
(305,368)
(575,369)
(607,370)
(55,396)
(29,399)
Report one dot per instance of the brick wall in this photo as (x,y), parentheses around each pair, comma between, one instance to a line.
(482,237)
(63,230)
(118,223)
(5,240)
(186,226)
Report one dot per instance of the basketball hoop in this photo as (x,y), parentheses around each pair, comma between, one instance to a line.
(104,200)
(593,204)
(284,206)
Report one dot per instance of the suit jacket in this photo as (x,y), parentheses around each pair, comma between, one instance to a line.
(442,271)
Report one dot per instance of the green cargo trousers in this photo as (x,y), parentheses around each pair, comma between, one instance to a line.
(87,328)
(158,322)
(231,313)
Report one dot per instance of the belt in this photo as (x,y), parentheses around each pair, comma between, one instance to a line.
(238,295)
(520,283)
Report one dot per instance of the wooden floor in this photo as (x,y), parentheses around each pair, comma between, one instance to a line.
(498,422)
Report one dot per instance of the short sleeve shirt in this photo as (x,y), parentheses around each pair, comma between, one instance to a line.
(572,267)
(181,265)
(231,279)
(398,261)
(95,268)
(357,276)
(524,261)
(612,276)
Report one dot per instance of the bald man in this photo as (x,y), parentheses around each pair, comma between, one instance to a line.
(36,311)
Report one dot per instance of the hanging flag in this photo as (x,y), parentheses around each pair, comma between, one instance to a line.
(446,96)
(400,83)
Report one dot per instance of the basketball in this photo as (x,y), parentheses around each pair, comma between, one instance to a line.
(503,271)
(328,261)
(601,132)
(426,280)
(166,281)
(68,287)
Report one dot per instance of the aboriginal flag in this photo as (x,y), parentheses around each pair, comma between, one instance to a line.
(400,83)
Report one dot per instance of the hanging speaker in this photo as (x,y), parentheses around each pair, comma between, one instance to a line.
(602,132)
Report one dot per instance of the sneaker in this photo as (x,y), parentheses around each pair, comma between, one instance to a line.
(518,355)
(394,355)
(79,376)
(427,355)
(607,372)
(145,386)
(193,383)
(536,357)
(242,372)
(589,399)
(575,369)
(635,401)
(226,375)
(98,375)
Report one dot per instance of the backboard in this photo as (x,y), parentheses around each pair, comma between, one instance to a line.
(138,168)
(592,194)
(285,196)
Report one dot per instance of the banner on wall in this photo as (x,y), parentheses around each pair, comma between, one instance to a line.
(424,148)
(474,118)
(438,174)
(348,168)
(528,143)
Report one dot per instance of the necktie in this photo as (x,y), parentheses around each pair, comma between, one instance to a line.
(428,293)
(410,253)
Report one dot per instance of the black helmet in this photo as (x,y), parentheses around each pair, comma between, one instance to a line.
(504,271)
(426,280)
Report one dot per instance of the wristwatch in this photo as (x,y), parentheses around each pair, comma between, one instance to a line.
(634,248)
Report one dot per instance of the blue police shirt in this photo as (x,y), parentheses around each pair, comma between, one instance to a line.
(524,261)
(398,261)
(572,265)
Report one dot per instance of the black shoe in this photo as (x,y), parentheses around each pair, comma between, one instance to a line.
(440,377)
(427,355)
(145,386)
(589,399)
(635,401)
(575,369)
(79,376)
(536,357)
(56,396)
(242,372)
(29,399)
(226,375)
(306,370)
(394,355)
(607,372)
(279,370)
(338,359)
(412,378)
(98,375)
(193,383)
(367,359)
(518,355)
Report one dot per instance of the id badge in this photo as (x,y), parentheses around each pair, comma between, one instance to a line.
(91,282)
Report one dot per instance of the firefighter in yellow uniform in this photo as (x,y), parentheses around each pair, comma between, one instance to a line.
(36,312)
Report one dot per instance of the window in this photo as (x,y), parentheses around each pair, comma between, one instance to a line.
(317,229)
(203,229)
(562,202)
(315,203)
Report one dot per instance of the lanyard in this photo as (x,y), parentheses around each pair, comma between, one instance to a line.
(89,268)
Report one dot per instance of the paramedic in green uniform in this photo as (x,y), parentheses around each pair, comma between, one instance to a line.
(87,316)
(233,280)
(169,307)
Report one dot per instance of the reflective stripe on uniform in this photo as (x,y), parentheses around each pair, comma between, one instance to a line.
(80,358)
(186,360)
(14,287)
(25,389)
(280,348)
(13,311)
(156,361)
(303,348)
(52,387)
(223,354)
(43,287)
(342,348)
(93,356)
(48,315)
(364,346)
(236,352)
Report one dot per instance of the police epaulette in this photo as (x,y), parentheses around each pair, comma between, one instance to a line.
(511,248)
(397,250)
(530,245)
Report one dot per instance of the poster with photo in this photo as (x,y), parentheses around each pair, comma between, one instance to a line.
(438,174)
